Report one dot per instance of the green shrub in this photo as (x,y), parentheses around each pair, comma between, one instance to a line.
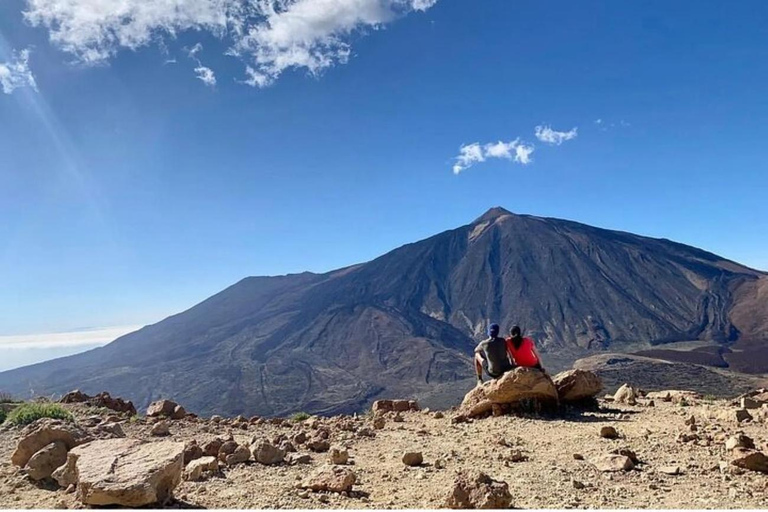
(300,416)
(6,398)
(28,413)
(2,416)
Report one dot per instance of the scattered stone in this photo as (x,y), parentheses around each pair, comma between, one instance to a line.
(240,455)
(627,453)
(742,415)
(212,447)
(74,397)
(198,467)
(161,408)
(578,456)
(296,458)
(338,456)
(613,463)
(474,489)
(318,445)
(439,464)
(192,451)
(217,419)
(577,485)
(287,447)
(266,453)
(44,462)
(439,415)
(160,429)
(577,385)
(330,479)
(398,418)
(178,413)
(739,441)
(691,420)
(626,394)
(300,438)
(608,432)
(109,430)
(101,400)
(41,433)
(749,403)
(125,472)
(651,403)
(413,459)
(379,422)
(670,470)
(516,456)
(228,448)
(752,460)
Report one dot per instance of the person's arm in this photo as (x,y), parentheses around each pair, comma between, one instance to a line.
(538,357)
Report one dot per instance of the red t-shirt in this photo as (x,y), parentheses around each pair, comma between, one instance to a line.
(525,355)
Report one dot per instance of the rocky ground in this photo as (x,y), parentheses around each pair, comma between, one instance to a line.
(547,461)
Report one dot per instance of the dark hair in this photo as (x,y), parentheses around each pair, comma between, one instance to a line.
(516,334)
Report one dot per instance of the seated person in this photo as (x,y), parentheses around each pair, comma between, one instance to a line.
(522,350)
(492,355)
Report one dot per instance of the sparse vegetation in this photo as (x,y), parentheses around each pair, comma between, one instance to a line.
(2,416)
(300,416)
(683,402)
(28,413)
(6,398)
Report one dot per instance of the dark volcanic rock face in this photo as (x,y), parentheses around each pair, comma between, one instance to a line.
(405,324)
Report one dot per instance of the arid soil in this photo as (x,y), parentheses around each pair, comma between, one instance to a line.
(536,455)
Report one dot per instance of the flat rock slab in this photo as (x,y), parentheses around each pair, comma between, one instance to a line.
(125,472)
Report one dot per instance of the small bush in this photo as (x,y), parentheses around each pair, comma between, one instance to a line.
(300,416)
(28,413)
(2,416)
(6,398)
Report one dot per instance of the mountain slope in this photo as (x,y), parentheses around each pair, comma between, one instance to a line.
(405,324)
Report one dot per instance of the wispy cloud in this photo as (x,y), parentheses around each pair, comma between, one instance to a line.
(470,154)
(65,339)
(271,36)
(16,73)
(547,134)
(203,73)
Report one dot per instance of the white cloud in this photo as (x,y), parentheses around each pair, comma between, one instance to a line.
(206,75)
(470,154)
(16,73)
(271,36)
(65,339)
(550,136)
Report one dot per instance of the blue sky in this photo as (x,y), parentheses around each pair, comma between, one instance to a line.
(131,188)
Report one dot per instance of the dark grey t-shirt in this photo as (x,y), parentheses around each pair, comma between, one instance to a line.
(495,352)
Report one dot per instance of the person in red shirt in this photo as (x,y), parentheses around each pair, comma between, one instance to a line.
(522,350)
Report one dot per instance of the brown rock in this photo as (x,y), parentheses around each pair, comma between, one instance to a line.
(626,394)
(331,479)
(198,467)
(43,432)
(474,489)
(613,463)
(43,463)
(338,456)
(608,432)
(125,472)
(439,415)
(512,388)
(413,459)
(160,429)
(379,422)
(627,453)
(103,399)
(318,444)
(670,470)
(578,456)
(577,385)
(739,441)
(398,418)
(227,448)
(742,415)
(212,447)
(192,452)
(74,397)
(752,460)
(161,408)
(300,438)
(298,458)
(178,413)
(266,453)
(240,455)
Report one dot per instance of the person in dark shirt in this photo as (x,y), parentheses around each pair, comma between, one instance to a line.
(492,356)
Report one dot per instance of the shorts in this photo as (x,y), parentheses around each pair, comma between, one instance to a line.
(491,375)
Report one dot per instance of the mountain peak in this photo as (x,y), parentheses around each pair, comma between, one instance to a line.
(493,214)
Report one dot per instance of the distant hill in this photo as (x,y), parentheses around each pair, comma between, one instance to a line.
(405,323)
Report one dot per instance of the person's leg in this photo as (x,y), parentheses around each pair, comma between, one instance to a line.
(479,368)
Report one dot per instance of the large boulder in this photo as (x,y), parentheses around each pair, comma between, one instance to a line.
(511,389)
(43,463)
(125,472)
(749,459)
(577,385)
(475,489)
(43,432)
(626,394)
(103,399)
(382,406)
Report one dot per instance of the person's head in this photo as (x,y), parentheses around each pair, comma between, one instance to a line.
(515,331)
(493,330)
